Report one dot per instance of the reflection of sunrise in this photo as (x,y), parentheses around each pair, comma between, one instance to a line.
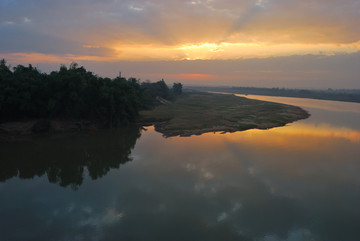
(300,137)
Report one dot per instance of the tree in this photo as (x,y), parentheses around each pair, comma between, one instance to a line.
(177,88)
(76,93)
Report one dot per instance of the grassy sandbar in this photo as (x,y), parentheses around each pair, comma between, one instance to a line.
(198,113)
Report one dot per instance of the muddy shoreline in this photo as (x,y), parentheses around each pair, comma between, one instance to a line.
(22,130)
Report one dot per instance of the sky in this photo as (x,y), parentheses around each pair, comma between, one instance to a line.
(260,43)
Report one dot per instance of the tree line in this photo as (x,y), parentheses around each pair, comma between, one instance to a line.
(74,92)
(349,95)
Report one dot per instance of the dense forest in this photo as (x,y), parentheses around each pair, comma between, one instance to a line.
(74,92)
(349,95)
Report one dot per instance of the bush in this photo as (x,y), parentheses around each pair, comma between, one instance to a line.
(41,126)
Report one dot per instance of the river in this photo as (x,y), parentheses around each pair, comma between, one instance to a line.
(299,182)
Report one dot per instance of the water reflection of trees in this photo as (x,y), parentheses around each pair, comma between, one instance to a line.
(64,160)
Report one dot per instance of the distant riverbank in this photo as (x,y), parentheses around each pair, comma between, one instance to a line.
(198,113)
(346,95)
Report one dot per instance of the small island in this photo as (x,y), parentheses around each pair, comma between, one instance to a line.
(199,112)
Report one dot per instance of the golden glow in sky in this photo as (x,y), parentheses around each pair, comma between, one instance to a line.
(222,51)
(201,51)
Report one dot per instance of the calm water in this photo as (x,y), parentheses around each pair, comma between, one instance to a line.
(294,183)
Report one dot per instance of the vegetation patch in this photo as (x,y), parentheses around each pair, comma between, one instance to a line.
(349,95)
(199,112)
(72,99)
(41,126)
(75,93)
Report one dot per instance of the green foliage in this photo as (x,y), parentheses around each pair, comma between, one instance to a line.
(74,92)
(22,92)
(149,92)
(41,126)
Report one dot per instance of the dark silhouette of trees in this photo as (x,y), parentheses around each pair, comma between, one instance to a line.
(22,92)
(177,88)
(74,92)
(149,92)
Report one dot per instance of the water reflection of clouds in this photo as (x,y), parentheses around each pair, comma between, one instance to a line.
(291,183)
(321,131)
(278,177)
(238,186)
(299,136)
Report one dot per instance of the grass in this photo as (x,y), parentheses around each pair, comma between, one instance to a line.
(197,113)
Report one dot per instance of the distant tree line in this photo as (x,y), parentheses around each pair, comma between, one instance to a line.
(74,92)
(350,95)
(328,94)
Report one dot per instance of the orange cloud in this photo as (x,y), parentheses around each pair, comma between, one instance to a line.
(203,51)
(195,76)
(50,58)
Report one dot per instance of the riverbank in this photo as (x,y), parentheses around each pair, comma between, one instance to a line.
(192,114)
(23,130)
(345,95)
(199,112)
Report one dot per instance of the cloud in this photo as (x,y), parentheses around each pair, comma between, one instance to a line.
(172,23)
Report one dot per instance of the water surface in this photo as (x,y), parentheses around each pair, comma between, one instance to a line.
(298,182)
